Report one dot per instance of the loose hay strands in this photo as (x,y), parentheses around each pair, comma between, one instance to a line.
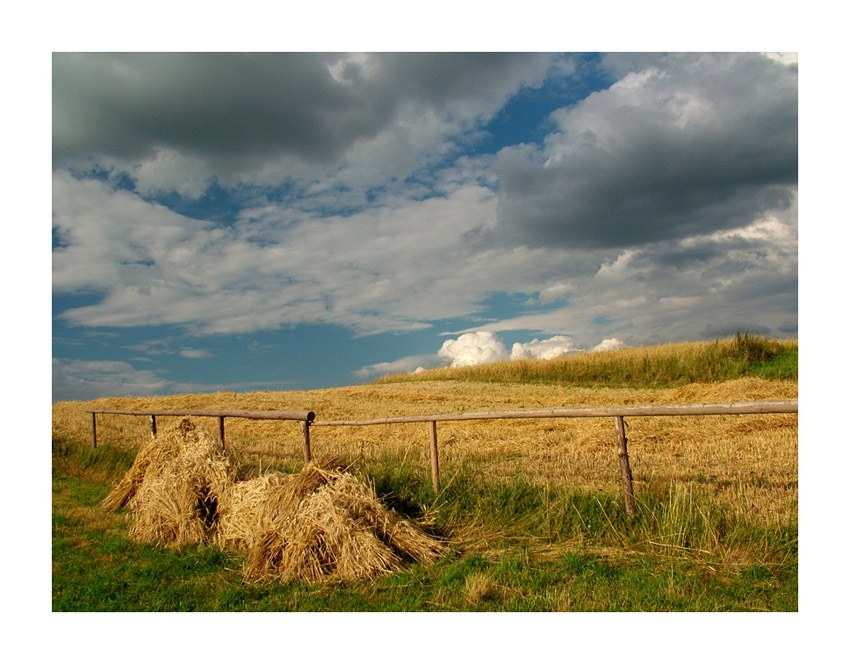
(322,523)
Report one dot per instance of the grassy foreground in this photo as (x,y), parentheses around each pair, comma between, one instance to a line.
(531,509)
(557,551)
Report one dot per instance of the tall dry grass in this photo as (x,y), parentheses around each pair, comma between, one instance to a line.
(666,365)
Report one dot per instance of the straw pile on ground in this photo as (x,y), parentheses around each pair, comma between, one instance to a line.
(175,487)
(320,524)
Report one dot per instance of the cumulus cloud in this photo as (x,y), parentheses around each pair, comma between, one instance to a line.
(482,347)
(543,350)
(473,348)
(684,145)
(608,344)
(244,115)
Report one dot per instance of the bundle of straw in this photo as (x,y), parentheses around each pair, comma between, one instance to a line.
(322,523)
(156,454)
(175,486)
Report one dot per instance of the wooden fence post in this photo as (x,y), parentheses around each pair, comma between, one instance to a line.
(93,430)
(435,461)
(305,439)
(625,469)
(221,431)
(153,426)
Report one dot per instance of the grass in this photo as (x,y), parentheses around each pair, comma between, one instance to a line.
(517,547)
(532,509)
(97,569)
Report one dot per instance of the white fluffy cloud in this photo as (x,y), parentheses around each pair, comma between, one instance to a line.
(473,348)
(608,344)
(482,347)
(543,350)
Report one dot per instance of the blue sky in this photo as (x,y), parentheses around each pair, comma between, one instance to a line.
(233,221)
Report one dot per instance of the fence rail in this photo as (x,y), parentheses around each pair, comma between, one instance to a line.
(303,416)
(736,408)
(300,415)
(307,419)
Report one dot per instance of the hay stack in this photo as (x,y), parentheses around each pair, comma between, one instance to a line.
(156,453)
(322,523)
(175,487)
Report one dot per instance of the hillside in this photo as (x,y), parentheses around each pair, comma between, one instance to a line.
(667,365)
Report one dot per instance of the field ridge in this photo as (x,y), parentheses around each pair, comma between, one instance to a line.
(666,365)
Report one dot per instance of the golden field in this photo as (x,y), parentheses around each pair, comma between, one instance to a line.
(748,463)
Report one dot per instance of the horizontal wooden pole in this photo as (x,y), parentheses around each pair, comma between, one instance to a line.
(736,408)
(300,415)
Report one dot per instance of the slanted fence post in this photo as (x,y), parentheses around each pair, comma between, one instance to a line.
(93,430)
(625,469)
(153,426)
(435,461)
(305,439)
(221,430)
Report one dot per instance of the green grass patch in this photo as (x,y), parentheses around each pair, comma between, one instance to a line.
(105,463)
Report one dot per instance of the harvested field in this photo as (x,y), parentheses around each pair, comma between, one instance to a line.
(739,457)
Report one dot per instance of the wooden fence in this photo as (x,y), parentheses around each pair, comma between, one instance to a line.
(303,416)
(307,419)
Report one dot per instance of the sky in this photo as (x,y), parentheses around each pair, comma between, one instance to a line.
(273,221)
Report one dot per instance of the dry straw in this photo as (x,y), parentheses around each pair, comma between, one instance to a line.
(322,523)
(175,486)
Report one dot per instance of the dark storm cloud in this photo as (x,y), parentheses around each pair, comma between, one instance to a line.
(123,104)
(687,147)
(732,254)
(238,108)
